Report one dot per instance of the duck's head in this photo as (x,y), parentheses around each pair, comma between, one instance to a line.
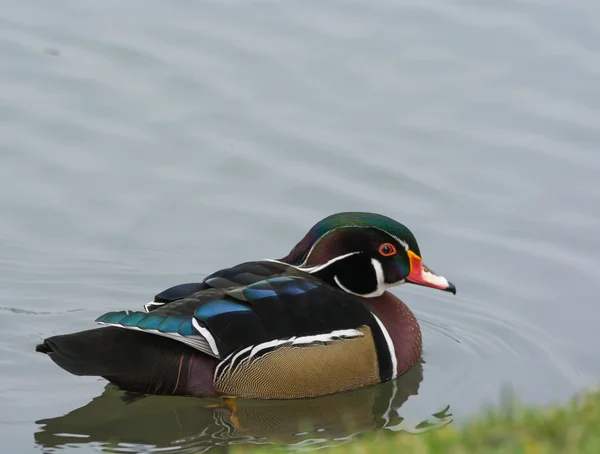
(364,254)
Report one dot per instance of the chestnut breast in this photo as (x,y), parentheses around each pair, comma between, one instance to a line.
(402,326)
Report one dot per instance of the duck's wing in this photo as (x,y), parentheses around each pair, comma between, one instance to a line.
(238,310)
(242,274)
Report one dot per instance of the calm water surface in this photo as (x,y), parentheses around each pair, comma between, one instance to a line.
(149,143)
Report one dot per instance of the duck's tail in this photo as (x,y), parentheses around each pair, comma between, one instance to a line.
(133,360)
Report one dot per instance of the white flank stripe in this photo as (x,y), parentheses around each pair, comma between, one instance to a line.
(241,352)
(327,336)
(206,334)
(266,345)
(225,366)
(229,361)
(390,345)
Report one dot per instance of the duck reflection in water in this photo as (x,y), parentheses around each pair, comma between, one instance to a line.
(116,419)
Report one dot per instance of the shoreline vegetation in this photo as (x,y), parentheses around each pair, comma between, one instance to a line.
(570,428)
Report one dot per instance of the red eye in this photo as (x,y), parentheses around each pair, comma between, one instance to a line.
(387,249)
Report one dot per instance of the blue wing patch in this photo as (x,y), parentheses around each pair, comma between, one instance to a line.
(151,321)
(171,324)
(178,327)
(278,286)
(112,318)
(132,319)
(186,328)
(217,307)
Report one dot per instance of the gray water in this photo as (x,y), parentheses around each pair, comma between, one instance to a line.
(149,143)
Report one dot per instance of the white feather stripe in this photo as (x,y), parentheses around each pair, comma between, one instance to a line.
(266,346)
(305,340)
(382,286)
(338,334)
(314,269)
(147,306)
(226,366)
(228,362)
(197,342)
(390,345)
(205,333)
(398,239)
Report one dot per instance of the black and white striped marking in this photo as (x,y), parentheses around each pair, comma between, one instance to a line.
(253,352)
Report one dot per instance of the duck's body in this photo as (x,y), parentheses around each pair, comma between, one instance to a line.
(316,322)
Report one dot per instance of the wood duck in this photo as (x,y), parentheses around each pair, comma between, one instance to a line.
(318,321)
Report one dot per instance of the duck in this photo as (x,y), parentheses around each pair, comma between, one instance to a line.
(319,321)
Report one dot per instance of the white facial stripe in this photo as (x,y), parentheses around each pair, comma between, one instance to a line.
(340,285)
(381,285)
(314,269)
(402,242)
(399,240)
(313,246)
(373,294)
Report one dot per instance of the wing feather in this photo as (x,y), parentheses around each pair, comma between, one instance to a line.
(255,304)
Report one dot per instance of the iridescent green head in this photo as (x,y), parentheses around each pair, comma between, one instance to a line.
(363,254)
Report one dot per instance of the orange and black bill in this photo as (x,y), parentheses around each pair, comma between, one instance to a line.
(421,275)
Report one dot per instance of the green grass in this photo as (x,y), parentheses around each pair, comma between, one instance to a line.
(573,428)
